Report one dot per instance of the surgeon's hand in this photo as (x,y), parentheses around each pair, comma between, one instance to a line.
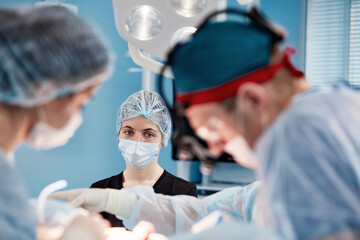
(142,231)
(113,201)
(93,199)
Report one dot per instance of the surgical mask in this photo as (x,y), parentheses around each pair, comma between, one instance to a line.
(138,154)
(208,135)
(241,152)
(44,136)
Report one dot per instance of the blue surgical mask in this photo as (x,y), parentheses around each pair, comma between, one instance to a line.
(138,154)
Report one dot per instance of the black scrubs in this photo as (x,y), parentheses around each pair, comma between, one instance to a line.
(167,184)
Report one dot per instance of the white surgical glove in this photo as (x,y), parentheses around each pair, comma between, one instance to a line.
(98,200)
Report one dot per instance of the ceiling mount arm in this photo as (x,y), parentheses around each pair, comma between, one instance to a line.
(146,62)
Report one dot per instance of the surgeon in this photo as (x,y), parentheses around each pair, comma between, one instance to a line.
(143,126)
(305,138)
(51,63)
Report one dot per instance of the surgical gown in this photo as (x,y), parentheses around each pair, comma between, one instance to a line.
(310,166)
(17,219)
(231,231)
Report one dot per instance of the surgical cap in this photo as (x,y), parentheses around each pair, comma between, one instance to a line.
(45,53)
(150,105)
(217,55)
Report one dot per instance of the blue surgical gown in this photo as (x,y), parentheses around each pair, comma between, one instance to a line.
(17,218)
(310,165)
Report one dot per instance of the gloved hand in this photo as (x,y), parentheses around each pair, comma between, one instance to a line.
(93,200)
(109,200)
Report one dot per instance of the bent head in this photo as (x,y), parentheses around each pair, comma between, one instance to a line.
(247,114)
(48,71)
(234,85)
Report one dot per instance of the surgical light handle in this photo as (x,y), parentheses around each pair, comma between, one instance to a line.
(146,62)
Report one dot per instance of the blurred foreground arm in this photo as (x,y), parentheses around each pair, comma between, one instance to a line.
(169,214)
(176,214)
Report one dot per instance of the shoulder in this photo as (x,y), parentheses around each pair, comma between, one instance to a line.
(110,182)
(178,185)
(314,111)
(323,103)
(176,179)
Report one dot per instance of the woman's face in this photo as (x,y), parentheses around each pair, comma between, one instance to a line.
(140,129)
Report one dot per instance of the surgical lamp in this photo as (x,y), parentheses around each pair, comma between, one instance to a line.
(156,26)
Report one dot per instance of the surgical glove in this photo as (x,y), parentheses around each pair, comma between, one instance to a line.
(98,200)
(93,200)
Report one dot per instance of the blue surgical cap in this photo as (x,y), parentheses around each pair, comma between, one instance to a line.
(218,53)
(46,53)
(150,105)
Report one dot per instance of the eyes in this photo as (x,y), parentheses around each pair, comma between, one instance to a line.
(149,135)
(146,134)
(129,133)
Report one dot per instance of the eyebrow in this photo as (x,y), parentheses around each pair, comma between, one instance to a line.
(147,129)
(150,129)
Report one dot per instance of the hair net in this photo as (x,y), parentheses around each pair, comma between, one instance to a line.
(150,105)
(45,53)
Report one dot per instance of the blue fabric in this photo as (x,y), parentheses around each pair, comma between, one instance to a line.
(240,202)
(17,219)
(310,165)
(219,52)
(235,230)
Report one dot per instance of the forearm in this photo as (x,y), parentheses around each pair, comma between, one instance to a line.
(120,203)
(169,214)
(174,214)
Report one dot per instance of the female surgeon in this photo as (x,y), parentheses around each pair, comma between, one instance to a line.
(51,63)
(143,126)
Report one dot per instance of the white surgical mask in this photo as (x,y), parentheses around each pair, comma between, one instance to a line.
(138,154)
(208,135)
(241,152)
(44,136)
